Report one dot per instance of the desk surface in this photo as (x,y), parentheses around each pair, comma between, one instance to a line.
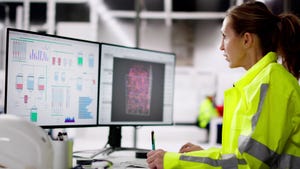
(119,159)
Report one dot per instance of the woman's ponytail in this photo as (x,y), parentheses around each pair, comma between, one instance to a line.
(289,42)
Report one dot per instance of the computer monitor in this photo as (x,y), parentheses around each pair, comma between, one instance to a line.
(136,87)
(52,81)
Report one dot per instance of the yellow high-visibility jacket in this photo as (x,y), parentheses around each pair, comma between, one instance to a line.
(261,124)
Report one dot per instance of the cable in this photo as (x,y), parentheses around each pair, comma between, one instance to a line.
(83,162)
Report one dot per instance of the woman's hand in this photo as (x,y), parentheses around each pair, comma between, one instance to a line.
(155,159)
(188,147)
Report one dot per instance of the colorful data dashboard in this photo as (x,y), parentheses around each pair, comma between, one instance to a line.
(52,80)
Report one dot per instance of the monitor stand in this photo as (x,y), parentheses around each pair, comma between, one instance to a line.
(114,142)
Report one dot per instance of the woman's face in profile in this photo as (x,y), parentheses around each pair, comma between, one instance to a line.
(232,45)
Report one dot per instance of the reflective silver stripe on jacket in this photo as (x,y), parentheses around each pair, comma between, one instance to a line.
(266,155)
(262,152)
(258,150)
(226,162)
(263,92)
(251,146)
(288,161)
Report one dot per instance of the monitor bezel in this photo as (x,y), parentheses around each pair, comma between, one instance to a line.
(8,30)
(136,123)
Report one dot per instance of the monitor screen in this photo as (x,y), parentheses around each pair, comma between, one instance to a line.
(52,80)
(136,86)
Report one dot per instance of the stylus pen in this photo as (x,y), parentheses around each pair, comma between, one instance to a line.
(153,140)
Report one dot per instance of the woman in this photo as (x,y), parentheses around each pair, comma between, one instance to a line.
(261,124)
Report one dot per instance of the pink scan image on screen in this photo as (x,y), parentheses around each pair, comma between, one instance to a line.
(138,90)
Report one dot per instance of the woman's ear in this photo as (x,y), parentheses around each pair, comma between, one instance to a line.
(248,39)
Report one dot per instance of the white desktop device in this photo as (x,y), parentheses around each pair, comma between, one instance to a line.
(24,145)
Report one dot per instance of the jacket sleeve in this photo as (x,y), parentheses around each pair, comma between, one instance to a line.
(208,159)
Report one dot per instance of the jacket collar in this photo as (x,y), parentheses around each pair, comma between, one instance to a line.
(270,57)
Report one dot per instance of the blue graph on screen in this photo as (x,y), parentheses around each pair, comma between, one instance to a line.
(38,55)
(84,113)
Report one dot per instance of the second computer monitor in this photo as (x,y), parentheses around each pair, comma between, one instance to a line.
(136,86)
